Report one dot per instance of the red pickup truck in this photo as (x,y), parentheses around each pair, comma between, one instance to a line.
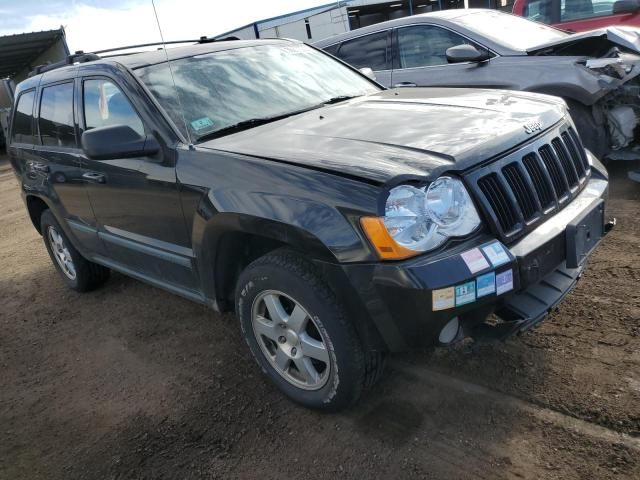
(580,15)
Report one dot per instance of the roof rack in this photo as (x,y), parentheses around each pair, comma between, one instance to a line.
(82,57)
(78,57)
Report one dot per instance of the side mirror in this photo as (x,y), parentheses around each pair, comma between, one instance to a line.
(367,72)
(466,53)
(626,6)
(117,141)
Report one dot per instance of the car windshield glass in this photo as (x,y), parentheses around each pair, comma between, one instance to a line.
(511,31)
(235,87)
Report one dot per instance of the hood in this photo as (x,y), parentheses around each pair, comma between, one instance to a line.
(400,132)
(624,37)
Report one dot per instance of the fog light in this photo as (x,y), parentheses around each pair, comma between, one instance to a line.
(450,331)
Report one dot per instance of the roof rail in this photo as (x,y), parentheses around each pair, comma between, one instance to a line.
(203,39)
(81,57)
(78,57)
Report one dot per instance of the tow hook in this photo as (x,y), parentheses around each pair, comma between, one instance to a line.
(609,225)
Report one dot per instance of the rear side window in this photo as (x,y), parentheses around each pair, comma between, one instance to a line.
(105,105)
(56,116)
(368,51)
(22,130)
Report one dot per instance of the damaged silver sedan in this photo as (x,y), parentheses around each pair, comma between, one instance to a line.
(596,72)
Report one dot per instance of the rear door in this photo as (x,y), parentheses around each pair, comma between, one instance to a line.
(368,51)
(53,164)
(136,201)
(420,59)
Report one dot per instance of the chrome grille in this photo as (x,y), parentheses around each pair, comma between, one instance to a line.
(520,190)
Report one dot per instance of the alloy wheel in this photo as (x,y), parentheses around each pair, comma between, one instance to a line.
(290,340)
(61,253)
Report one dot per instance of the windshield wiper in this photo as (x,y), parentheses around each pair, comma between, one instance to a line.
(341,98)
(256,122)
(251,123)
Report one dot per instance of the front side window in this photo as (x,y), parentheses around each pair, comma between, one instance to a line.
(105,105)
(423,46)
(222,89)
(22,130)
(56,116)
(368,51)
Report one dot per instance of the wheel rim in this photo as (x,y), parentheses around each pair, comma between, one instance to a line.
(61,253)
(290,340)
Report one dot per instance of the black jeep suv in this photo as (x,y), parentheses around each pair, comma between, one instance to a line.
(341,220)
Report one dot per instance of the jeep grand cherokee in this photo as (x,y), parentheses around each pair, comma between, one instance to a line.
(341,220)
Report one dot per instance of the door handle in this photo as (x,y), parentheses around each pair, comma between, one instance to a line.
(404,84)
(95,177)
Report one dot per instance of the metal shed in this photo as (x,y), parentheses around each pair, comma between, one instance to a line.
(20,52)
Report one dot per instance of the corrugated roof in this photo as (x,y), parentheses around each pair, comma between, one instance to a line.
(17,52)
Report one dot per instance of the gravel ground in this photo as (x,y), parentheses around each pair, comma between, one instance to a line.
(130,382)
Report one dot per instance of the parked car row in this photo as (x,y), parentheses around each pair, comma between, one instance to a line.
(339,219)
(596,73)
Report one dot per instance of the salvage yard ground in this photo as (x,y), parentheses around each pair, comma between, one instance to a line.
(130,382)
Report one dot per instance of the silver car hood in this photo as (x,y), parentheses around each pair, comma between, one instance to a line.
(625,37)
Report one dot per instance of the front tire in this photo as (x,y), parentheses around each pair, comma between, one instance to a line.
(299,334)
(77,272)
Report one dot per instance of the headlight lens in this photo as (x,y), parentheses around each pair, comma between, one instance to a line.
(423,219)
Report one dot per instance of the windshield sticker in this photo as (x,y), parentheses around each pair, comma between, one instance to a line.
(496,254)
(443,299)
(202,124)
(486,284)
(465,293)
(504,282)
(475,260)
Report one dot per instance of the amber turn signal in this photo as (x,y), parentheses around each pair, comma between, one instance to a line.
(385,245)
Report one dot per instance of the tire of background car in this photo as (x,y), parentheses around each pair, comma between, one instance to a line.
(594,136)
(300,335)
(77,272)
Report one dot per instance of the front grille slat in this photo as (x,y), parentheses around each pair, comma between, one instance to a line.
(575,155)
(498,199)
(581,153)
(567,165)
(521,192)
(525,197)
(541,181)
(558,178)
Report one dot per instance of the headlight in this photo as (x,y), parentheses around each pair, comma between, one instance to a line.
(420,219)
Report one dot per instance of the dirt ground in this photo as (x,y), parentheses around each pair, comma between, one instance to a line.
(130,382)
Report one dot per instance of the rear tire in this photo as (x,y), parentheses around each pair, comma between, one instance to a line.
(77,272)
(290,317)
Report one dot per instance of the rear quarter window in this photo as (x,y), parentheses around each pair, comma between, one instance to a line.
(22,129)
(56,116)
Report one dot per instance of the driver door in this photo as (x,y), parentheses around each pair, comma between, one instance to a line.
(136,201)
(420,60)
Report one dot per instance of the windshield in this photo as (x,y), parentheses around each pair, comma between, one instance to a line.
(222,89)
(511,31)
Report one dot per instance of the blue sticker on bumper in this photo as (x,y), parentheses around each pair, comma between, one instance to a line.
(486,284)
(496,254)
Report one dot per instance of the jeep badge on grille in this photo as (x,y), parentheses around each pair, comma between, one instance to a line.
(532,127)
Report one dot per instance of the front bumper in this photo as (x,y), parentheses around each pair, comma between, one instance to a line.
(410,302)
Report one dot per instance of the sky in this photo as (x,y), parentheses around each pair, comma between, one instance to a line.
(94,25)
